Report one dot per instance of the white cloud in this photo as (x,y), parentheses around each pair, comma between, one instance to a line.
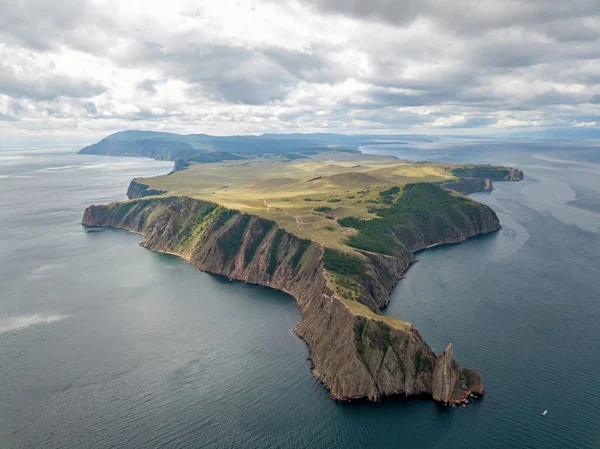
(585,124)
(89,67)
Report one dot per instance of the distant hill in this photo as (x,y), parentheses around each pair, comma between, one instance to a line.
(206,148)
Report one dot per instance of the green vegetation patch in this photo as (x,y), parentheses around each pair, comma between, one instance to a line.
(223,217)
(481,171)
(348,288)
(191,227)
(342,263)
(152,192)
(422,211)
(323,209)
(303,245)
(393,191)
(422,363)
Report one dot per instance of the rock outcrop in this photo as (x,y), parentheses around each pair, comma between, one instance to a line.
(514,174)
(138,189)
(453,384)
(355,351)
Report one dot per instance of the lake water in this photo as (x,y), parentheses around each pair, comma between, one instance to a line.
(104,344)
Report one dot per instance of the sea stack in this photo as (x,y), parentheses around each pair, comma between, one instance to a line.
(453,384)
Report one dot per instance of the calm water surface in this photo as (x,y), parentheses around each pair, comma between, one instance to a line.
(104,344)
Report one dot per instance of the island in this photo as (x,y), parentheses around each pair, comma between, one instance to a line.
(318,219)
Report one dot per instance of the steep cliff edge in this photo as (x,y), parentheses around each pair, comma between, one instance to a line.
(356,352)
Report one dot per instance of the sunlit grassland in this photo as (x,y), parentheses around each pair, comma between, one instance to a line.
(289,191)
(360,309)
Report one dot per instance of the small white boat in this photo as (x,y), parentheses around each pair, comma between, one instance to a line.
(545,413)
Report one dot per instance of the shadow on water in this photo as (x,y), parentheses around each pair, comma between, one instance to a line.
(448,246)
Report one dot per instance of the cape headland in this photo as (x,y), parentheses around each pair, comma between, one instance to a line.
(336,229)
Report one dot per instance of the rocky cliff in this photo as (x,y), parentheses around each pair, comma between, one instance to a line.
(355,351)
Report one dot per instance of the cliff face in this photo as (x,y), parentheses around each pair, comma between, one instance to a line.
(138,189)
(355,352)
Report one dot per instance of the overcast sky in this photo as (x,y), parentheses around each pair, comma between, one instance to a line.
(90,67)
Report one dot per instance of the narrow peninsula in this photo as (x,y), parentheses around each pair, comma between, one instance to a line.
(335,228)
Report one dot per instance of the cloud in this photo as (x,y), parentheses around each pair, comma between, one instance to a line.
(147,86)
(45,87)
(250,66)
(24,75)
(7,118)
(464,16)
(585,124)
(41,25)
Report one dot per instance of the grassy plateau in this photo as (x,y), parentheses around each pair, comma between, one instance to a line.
(305,196)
